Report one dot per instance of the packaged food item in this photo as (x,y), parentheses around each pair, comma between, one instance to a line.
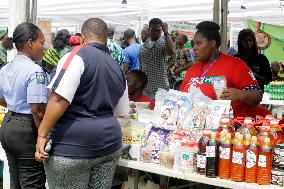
(183,106)
(251,161)
(132,133)
(238,160)
(157,140)
(169,114)
(264,163)
(216,109)
(196,117)
(225,157)
(211,169)
(187,153)
(219,85)
(146,155)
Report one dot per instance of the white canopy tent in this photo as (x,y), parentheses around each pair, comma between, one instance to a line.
(74,12)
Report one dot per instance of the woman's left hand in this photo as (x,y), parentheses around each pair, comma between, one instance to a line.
(40,154)
(231,94)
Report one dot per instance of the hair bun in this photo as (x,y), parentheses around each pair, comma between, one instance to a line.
(208,25)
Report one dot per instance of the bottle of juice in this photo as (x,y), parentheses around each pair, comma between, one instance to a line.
(264,166)
(247,140)
(225,125)
(234,139)
(225,157)
(238,161)
(247,128)
(265,132)
(251,161)
(201,154)
(211,169)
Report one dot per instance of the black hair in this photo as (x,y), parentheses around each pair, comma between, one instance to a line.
(78,34)
(184,38)
(141,77)
(210,30)
(61,39)
(155,21)
(244,33)
(94,26)
(110,31)
(21,35)
(192,43)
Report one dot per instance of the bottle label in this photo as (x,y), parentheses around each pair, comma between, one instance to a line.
(238,158)
(225,153)
(250,159)
(274,177)
(262,161)
(201,161)
(210,151)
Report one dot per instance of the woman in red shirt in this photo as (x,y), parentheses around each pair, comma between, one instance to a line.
(242,87)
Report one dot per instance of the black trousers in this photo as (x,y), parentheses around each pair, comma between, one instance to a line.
(18,136)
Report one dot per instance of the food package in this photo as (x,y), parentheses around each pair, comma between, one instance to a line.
(132,136)
(215,111)
(169,113)
(157,140)
(219,85)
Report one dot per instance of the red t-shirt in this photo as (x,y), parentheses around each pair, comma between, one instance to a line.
(236,72)
(144,98)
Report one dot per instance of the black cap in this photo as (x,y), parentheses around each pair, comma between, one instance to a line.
(129,33)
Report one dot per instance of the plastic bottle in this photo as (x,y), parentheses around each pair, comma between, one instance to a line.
(201,154)
(264,166)
(238,161)
(281,166)
(247,128)
(187,157)
(251,161)
(225,157)
(235,138)
(225,125)
(265,132)
(247,140)
(211,169)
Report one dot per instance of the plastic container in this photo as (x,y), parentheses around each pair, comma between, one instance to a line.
(247,141)
(247,128)
(211,169)
(225,157)
(201,154)
(226,126)
(251,161)
(265,132)
(264,166)
(187,153)
(238,161)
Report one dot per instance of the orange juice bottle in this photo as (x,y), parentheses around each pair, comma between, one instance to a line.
(264,166)
(238,161)
(225,157)
(226,126)
(251,161)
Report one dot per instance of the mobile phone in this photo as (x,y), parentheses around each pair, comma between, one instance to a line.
(48,145)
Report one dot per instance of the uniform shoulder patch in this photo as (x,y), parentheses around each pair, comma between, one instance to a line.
(40,78)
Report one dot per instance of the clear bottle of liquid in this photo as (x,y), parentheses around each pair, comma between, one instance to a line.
(264,166)
(238,161)
(201,154)
(226,126)
(225,157)
(251,161)
(247,140)
(247,128)
(211,169)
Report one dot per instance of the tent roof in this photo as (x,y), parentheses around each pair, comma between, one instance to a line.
(74,12)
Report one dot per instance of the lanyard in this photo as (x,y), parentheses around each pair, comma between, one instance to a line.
(209,67)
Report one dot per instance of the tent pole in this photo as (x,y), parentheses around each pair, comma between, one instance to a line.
(224,23)
(216,11)
(34,12)
(19,12)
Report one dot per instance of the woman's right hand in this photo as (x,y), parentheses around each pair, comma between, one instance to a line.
(40,154)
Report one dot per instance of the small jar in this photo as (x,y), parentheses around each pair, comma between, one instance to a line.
(187,157)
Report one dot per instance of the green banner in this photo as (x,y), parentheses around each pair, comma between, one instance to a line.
(270,39)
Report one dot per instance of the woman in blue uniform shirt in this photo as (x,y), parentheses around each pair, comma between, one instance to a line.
(23,92)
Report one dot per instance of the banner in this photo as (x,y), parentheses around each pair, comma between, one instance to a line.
(270,40)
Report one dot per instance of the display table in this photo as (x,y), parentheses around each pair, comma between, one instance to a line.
(273,102)
(160,170)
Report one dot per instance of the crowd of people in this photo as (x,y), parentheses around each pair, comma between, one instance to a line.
(73,92)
